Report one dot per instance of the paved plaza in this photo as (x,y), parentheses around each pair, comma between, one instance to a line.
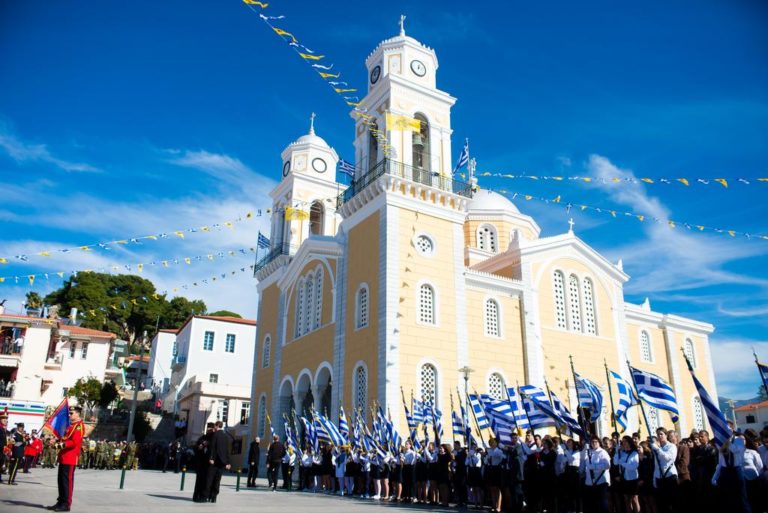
(148,491)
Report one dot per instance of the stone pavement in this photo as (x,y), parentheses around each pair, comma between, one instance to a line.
(148,491)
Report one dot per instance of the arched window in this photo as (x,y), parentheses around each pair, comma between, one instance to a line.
(428,376)
(420,145)
(689,352)
(316,218)
(262,425)
(362,307)
(557,280)
(300,294)
(590,326)
(265,352)
(698,414)
(496,386)
(645,347)
(361,389)
(574,303)
(426,304)
(491,318)
(309,301)
(486,238)
(373,145)
(318,313)
(653,419)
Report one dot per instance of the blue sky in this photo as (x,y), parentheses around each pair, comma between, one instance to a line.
(121,120)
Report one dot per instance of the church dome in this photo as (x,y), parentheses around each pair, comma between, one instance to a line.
(489,200)
(312,139)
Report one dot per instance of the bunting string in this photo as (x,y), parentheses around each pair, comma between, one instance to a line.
(138,268)
(614,213)
(330,75)
(724,182)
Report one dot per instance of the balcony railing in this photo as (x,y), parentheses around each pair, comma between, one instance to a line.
(280,249)
(415,174)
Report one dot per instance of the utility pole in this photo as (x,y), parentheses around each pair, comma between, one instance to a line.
(136,389)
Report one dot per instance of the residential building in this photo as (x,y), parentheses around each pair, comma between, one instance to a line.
(754,416)
(161,357)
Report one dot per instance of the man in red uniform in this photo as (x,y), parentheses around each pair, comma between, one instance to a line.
(69,449)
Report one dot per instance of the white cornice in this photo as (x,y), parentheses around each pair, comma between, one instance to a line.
(274,265)
(487,281)
(638,313)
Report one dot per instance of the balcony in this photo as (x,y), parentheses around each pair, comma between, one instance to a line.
(274,253)
(414,174)
(54,361)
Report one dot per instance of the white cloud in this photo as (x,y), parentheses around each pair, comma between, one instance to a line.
(734,364)
(23,152)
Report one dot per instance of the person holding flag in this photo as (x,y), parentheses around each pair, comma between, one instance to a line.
(65,423)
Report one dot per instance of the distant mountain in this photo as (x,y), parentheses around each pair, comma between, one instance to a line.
(726,408)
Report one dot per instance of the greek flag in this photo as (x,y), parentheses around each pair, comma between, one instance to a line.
(437,424)
(409,418)
(326,430)
(418,412)
(570,421)
(343,425)
(480,418)
(311,433)
(346,168)
(721,431)
(763,369)
(458,426)
(463,158)
(627,399)
(655,391)
(262,241)
(541,400)
(590,396)
(500,417)
(517,408)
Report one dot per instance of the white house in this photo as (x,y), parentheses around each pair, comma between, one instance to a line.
(754,416)
(212,371)
(161,359)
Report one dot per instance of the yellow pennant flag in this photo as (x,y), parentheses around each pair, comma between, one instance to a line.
(587,179)
(134,302)
(352,104)
(31,279)
(556,200)
(613,213)
(583,207)
(165,263)
(3,260)
(295,214)
(140,267)
(281,32)
(700,227)
(641,218)
(683,181)
(113,307)
(329,75)
(229,225)
(404,123)
(156,295)
(263,5)
(45,253)
(85,248)
(311,57)
(210,257)
(722,181)
(188,260)
(528,198)
(732,233)
(2,280)
(121,241)
(179,234)
(762,179)
(557,178)
(671,224)
(646,180)
(341,90)
(205,229)
(152,237)
(61,274)
(615,179)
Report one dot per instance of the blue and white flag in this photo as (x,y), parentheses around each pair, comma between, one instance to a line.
(463,158)
(763,370)
(590,396)
(655,391)
(457,425)
(571,422)
(418,412)
(437,423)
(541,400)
(346,168)
(409,419)
(262,241)
(327,430)
(721,431)
(311,433)
(343,425)
(517,408)
(627,399)
(500,417)
(477,407)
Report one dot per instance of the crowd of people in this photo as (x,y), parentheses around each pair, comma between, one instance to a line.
(542,473)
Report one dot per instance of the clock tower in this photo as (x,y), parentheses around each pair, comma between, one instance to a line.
(402,82)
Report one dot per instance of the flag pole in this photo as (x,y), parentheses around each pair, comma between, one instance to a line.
(610,396)
(579,409)
(759,370)
(453,412)
(522,403)
(549,394)
(640,400)
(479,431)
(514,417)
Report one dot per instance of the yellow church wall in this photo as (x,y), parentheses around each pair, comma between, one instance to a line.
(362,344)
(686,390)
(328,300)
(267,325)
(504,231)
(502,354)
(308,352)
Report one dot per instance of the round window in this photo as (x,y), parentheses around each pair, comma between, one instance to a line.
(424,245)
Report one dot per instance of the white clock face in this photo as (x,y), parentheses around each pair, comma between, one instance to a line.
(300,162)
(319,165)
(418,68)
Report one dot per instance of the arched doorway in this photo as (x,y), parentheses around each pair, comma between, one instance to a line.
(285,406)
(324,389)
(420,147)
(316,218)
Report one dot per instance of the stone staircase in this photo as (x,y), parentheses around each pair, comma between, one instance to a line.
(162,428)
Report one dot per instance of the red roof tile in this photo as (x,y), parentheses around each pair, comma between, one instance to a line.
(79,330)
(752,406)
(223,318)
(164,330)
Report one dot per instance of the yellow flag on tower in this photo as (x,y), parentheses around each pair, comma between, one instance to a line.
(295,214)
(404,123)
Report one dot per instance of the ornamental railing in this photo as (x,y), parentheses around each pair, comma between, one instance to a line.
(415,174)
(280,249)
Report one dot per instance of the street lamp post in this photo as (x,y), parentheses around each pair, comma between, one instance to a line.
(136,390)
(466,371)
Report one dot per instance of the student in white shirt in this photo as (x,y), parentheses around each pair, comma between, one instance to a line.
(665,472)
(627,459)
(597,465)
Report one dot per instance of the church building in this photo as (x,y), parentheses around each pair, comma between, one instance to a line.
(409,281)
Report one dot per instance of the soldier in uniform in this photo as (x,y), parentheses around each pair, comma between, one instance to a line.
(82,461)
(18,438)
(130,455)
(91,454)
(69,448)
(49,453)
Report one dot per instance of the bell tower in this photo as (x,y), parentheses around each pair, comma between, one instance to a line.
(402,85)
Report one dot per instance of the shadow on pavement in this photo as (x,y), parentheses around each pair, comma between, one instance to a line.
(24,503)
(171,497)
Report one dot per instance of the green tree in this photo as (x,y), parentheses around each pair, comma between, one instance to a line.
(179,309)
(226,313)
(108,394)
(87,391)
(34,300)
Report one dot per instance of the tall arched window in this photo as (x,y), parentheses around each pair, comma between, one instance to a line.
(646,354)
(698,414)
(316,218)
(590,325)
(318,313)
(428,376)
(309,301)
(496,386)
(426,304)
(265,351)
(361,389)
(491,318)
(262,425)
(420,144)
(557,280)
(373,145)
(362,307)
(574,303)
(300,294)
(689,352)
(487,239)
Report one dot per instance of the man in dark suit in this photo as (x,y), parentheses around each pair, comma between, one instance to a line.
(254,451)
(275,455)
(218,460)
